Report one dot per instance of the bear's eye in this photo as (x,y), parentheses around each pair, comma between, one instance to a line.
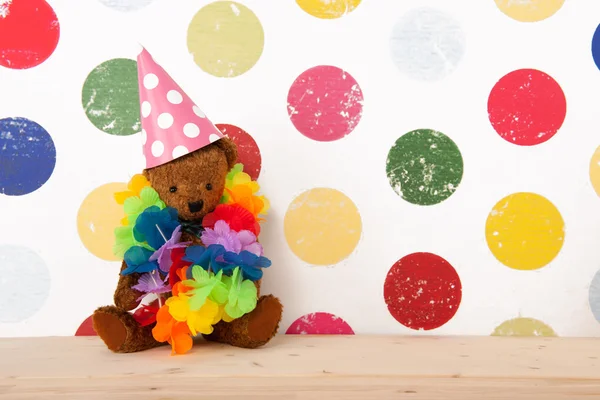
(173,189)
(208,186)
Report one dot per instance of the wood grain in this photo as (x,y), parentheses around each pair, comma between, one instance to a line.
(307,367)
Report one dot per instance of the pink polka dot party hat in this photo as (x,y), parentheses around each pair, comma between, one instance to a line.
(172,124)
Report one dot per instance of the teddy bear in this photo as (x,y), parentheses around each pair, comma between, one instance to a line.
(187,179)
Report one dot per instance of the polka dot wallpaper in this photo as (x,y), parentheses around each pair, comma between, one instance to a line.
(433,167)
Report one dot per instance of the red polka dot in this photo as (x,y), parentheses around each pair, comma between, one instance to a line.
(29,33)
(319,324)
(527,107)
(248,151)
(86,328)
(325,103)
(422,291)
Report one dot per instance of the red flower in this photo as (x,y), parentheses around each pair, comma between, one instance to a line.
(236,216)
(146,315)
(178,263)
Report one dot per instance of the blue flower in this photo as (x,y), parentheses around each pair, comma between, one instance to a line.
(155,226)
(137,260)
(207,257)
(250,264)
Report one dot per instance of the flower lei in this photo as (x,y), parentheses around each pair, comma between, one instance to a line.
(200,285)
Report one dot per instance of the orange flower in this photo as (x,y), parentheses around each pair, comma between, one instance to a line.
(177,334)
(241,189)
(164,323)
(179,287)
(181,338)
(242,195)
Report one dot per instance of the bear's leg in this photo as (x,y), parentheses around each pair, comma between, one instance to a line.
(252,330)
(121,332)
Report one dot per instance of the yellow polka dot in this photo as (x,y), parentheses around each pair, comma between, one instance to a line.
(322,226)
(97,219)
(525,231)
(328,9)
(523,327)
(225,38)
(595,171)
(529,10)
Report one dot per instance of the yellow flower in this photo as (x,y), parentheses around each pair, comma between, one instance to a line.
(200,321)
(266,205)
(242,178)
(179,307)
(222,316)
(135,186)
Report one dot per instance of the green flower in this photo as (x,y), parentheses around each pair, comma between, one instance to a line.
(134,205)
(124,240)
(242,295)
(237,168)
(206,285)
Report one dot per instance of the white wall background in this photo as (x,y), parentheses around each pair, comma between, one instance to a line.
(91,33)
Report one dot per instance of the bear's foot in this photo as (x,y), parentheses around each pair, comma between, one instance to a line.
(121,332)
(252,330)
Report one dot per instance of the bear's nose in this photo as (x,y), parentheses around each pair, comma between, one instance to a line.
(196,206)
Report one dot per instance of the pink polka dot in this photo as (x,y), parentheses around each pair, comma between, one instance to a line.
(319,323)
(325,103)
(86,328)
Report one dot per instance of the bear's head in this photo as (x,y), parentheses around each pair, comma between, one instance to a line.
(193,184)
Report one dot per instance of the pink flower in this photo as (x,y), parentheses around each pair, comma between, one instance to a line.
(232,241)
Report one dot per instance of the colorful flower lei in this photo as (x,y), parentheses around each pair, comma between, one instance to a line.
(195,286)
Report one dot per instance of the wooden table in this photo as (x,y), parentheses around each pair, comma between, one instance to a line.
(307,367)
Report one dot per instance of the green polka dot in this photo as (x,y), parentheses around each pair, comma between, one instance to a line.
(424,167)
(111,98)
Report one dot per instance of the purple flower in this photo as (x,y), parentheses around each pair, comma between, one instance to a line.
(233,242)
(222,235)
(150,282)
(163,254)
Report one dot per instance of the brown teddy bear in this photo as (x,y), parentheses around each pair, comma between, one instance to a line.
(188,172)
(182,183)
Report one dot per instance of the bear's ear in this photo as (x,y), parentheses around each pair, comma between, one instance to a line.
(230,150)
(148,174)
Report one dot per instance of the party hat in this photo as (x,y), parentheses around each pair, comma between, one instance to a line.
(172,124)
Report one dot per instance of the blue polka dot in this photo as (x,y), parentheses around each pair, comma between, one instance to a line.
(24,283)
(594,296)
(596,47)
(27,156)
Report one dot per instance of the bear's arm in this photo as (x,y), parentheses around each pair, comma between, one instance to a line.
(125,297)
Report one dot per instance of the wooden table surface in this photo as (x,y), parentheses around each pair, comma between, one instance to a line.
(307,367)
